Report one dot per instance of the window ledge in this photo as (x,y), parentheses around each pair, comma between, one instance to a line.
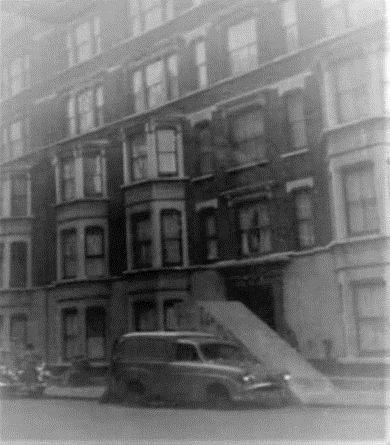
(247,166)
(17,289)
(294,153)
(357,239)
(202,178)
(156,269)
(80,200)
(80,280)
(364,360)
(157,179)
(356,122)
(12,218)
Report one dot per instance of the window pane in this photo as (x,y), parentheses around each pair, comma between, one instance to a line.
(18,273)
(69,253)
(166,145)
(94,242)
(93,175)
(155,73)
(374,335)
(289,12)
(153,18)
(242,35)
(18,328)
(138,92)
(139,157)
(200,53)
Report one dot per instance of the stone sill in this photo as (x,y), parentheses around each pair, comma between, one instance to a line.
(363,360)
(294,153)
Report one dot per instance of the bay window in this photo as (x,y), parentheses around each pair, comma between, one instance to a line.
(166,152)
(360,200)
(255,229)
(171,237)
(242,46)
(351,89)
(68,179)
(95,263)
(93,175)
(142,240)
(69,253)
(19,195)
(18,265)
(372,317)
(248,135)
(84,41)
(139,157)
(304,218)
(156,84)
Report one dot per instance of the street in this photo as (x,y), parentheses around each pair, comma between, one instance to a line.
(77,420)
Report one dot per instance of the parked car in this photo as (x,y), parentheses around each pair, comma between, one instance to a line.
(190,367)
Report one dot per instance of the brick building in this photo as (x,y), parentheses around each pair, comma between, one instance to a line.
(159,151)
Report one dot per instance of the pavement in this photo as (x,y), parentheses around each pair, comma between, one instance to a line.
(340,397)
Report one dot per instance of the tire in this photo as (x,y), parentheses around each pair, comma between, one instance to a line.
(135,394)
(218,398)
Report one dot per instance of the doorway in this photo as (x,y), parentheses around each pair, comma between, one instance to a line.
(258,298)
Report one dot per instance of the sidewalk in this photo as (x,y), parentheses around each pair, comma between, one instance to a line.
(342,397)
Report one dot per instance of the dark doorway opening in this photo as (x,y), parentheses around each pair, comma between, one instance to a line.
(258,298)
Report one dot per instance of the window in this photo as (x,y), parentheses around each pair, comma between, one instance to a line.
(94,252)
(248,135)
(142,241)
(139,157)
(361,203)
(16,76)
(93,175)
(352,98)
(95,320)
(206,150)
(15,140)
(69,253)
(335,16)
(201,66)
(385,75)
(290,23)
(145,319)
(255,229)
(2,209)
(166,152)
(72,124)
(296,121)
(171,241)
(18,329)
(160,84)
(372,321)
(242,44)
(340,14)
(304,215)
(171,314)
(89,110)
(18,269)
(71,334)
(186,353)
(68,179)
(2,264)
(18,195)
(209,235)
(148,14)
(84,41)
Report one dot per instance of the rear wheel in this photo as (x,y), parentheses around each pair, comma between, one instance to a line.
(218,397)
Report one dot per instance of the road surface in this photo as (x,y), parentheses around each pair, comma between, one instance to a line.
(77,420)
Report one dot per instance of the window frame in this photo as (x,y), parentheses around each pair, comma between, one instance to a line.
(138,24)
(160,153)
(22,76)
(310,220)
(2,265)
(139,158)
(88,177)
(291,123)
(201,64)
(359,318)
(167,239)
(104,331)
(290,25)
(65,181)
(74,336)
(209,238)
(17,199)
(17,281)
(206,153)
(259,228)
(90,231)
(249,45)
(361,168)
(137,244)
(65,234)
(94,41)
(19,317)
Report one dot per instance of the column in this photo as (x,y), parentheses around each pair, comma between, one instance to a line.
(55,163)
(79,171)
(125,157)
(29,197)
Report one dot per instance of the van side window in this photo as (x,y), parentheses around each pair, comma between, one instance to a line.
(186,353)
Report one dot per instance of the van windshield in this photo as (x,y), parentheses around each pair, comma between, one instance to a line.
(223,351)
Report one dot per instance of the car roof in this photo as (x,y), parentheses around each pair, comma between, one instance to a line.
(169,334)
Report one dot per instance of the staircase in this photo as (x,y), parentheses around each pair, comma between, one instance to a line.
(234,321)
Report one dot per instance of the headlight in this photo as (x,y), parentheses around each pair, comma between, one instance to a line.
(286,377)
(248,378)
